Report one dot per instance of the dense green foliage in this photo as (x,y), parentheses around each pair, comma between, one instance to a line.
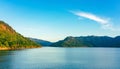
(89,41)
(11,39)
(71,42)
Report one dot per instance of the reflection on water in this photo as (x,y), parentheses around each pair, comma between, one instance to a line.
(61,58)
(5,59)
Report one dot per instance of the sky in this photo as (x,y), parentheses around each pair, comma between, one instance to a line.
(54,20)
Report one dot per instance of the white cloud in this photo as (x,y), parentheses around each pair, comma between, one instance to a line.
(104,22)
(92,17)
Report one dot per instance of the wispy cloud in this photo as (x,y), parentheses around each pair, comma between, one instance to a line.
(104,22)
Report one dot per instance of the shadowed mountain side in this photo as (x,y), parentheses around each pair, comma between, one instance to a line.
(88,41)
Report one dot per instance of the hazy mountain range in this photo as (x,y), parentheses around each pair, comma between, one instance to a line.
(41,42)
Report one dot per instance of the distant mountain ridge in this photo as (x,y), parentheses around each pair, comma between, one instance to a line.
(88,41)
(41,42)
(10,39)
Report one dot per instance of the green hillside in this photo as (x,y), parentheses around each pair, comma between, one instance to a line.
(10,39)
(71,42)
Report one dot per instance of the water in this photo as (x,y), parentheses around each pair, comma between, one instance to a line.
(61,58)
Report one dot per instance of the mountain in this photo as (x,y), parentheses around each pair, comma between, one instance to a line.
(88,41)
(117,41)
(10,39)
(42,42)
(71,42)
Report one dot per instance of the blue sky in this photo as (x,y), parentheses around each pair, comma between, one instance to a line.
(54,20)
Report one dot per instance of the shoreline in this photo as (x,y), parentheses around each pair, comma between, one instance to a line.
(8,48)
(3,48)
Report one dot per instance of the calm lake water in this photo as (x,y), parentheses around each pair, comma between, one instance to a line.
(61,58)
